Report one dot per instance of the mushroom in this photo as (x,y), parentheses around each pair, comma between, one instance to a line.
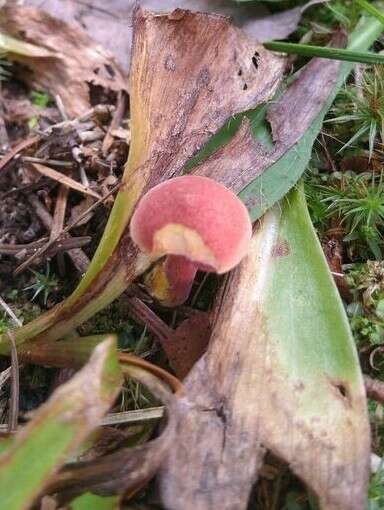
(198,223)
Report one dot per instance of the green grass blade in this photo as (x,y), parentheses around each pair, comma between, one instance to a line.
(308,50)
(59,426)
(371,9)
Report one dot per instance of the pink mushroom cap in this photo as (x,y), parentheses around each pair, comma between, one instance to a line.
(194,217)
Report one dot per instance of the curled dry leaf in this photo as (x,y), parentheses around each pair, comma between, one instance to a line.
(268,381)
(211,70)
(128,468)
(58,428)
(69,62)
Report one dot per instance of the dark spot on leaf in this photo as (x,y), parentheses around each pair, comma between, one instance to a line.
(281,249)
(110,70)
(253,201)
(254,59)
(169,63)
(204,76)
(342,390)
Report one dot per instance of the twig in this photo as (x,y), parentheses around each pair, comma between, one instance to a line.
(83,176)
(63,125)
(152,413)
(78,257)
(141,312)
(66,125)
(58,222)
(41,211)
(63,179)
(10,312)
(70,243)
(15,386)
(4,376)
(374,389)
(4,140)
(27,187)
(7,373)
(18,148)
(115,122)
(53,162)
(60,107)
(43,249)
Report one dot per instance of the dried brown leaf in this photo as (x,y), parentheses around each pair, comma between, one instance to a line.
(75,61)
(100,19)
(128,468)
(212,70)
(187,343)
(290,117)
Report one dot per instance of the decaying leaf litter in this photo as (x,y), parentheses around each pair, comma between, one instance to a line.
(167,127)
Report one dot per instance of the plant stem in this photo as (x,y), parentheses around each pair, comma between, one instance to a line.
(371,9)
(308,50)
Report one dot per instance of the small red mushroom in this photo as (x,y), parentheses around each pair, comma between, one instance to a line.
(199,223)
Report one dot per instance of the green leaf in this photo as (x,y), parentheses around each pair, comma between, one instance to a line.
(90,501)
(282,368)
(314,361)
(308,50)
(59,426)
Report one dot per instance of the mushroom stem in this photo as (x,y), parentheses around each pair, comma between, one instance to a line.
(171,280)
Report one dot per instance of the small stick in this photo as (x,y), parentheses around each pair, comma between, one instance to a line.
(141,312)
(78,257)
(53,162)
(10,312)
(58,222)
(63,179)
(4,140)
(15,386)
(60,107)
(18,148)
(44,248)
(59,246)
(7,373)
(374,389)
(116,120)
(98,109)
(4,376)
(151,413)
(41,211)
